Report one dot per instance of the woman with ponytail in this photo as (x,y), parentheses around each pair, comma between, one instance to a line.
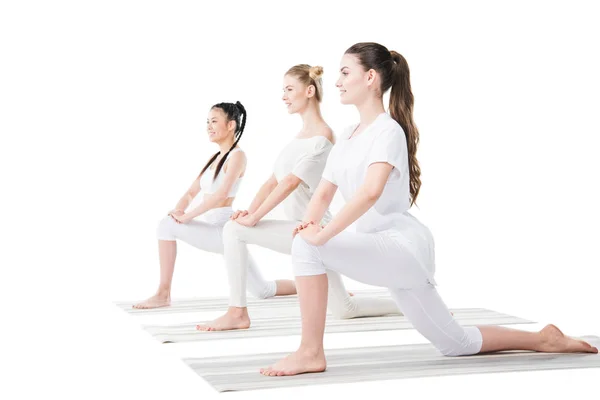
(375,168)
(200,223)
(295,176)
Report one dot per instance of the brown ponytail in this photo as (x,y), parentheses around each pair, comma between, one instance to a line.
(395,74)
(401,109)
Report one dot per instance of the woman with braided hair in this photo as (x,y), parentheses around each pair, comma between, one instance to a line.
(295,176)
(375,168)
(200,223)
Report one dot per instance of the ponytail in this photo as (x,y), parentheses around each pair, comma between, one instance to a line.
(394,73)
(401,109)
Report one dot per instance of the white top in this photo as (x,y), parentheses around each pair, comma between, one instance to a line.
(382,141)
(306,159)
(210,186)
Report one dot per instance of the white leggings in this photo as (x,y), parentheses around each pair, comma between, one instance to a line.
(207,234)
(382,260)
(277,235)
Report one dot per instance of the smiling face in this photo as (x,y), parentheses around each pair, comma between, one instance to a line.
(217,126)
(354,81)
(295,94)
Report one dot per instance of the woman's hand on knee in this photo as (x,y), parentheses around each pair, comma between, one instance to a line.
(304,225)
(238,213)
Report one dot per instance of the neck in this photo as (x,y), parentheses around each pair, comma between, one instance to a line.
(311,118)
(369,110)
(225,146)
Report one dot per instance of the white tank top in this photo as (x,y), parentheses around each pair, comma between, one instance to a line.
(208,185)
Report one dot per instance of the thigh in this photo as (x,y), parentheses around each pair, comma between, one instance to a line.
(272,234)
(372,258)
(202,235)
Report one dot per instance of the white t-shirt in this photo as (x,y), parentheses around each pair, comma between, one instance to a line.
(306,159)
(382,141)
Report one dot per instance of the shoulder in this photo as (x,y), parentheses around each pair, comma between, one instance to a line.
(323,142)
(237,156)
(389,125)
(389,130)
(237,153)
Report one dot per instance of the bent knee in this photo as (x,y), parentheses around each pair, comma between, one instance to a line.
(232,229)
(164,231)
(469,344)
(306,259)
(268,290)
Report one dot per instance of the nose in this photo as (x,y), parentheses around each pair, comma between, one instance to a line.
(284,97)
(338,84)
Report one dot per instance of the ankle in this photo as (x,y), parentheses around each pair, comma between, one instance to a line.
(238,312)
(311,349)
(164,291)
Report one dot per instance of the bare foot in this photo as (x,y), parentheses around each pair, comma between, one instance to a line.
(554,341)
(156,301)
(233,319)
(300,362)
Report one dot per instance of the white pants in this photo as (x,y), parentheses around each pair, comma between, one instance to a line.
(380,259)
(277,235)
(207,234)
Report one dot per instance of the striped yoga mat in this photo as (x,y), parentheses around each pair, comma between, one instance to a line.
(291,325)
(202,304)
(234,373)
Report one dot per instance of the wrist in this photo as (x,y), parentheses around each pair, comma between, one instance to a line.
(254,217)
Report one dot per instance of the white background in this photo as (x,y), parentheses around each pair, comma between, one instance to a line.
(102,115)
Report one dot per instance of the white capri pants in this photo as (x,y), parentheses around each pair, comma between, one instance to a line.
(277,235)
(382,259)
(207,234)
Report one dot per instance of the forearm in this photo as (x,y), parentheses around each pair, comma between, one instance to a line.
(281,191)
(353,210)
(260,197)
(184,202)
(316,209)
(209,202)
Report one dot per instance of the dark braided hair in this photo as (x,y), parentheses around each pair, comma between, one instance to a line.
(234,112)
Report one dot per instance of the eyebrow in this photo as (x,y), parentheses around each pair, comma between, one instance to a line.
(343,68)
(288,86)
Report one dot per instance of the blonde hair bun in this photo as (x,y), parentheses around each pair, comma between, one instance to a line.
(316,72)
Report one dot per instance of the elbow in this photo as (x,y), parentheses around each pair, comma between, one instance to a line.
(291,182)
(219,196)
(372,195)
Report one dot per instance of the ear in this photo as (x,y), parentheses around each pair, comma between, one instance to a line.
(231,125)
(310,91)
(371,74)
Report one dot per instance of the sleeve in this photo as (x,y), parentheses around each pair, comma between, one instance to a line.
(389,147)
(310,166)
(328,171)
